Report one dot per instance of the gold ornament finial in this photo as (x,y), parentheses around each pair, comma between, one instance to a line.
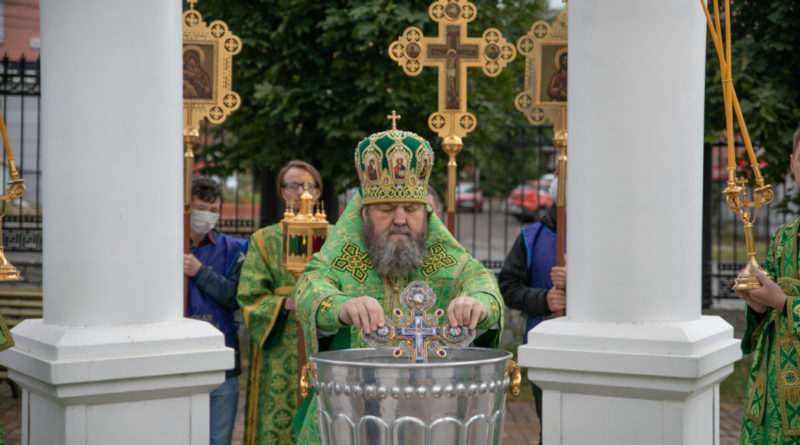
(394,117)
(191,3)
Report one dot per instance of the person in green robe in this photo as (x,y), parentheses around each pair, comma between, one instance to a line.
(269,314)
(386,238)
(772,403)
(5,342)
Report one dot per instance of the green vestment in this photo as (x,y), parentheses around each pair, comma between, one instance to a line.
(272,376)
(5,342)
(772,405)
(343,270)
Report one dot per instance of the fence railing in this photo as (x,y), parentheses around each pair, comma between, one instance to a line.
(20,89)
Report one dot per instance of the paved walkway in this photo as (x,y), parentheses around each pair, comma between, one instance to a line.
(522,427)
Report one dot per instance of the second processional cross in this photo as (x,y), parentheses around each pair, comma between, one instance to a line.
(452,51)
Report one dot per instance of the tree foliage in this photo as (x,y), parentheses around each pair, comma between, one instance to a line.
(315,78)
(766,76)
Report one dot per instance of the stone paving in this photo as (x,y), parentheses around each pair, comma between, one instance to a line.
(521,428)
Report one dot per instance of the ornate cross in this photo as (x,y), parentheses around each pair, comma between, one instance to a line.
(417,332)
(452,52)
(394,117)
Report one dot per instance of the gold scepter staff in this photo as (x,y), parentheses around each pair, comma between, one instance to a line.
(736,191)
(208,51)
(560,141)
(541,105)
(16,189)
(191,135)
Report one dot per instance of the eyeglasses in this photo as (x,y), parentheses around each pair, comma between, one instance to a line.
(296,186)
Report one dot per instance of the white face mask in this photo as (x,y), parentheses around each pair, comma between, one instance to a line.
(554,188)
(202,221)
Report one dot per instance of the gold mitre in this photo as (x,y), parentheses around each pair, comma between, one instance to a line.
(394,166)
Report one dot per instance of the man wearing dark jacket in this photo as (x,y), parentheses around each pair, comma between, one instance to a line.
(531,282)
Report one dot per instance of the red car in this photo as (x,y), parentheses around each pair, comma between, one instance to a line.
(530,200)
(468,197)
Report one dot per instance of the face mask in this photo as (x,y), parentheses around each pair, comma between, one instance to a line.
(202,221)
(554,188)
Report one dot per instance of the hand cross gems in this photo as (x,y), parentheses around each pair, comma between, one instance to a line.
(418,332)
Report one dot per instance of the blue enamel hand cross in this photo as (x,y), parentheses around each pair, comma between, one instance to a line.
(419,333)
(422,333)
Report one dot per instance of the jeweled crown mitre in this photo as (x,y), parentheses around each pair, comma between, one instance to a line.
(394,166)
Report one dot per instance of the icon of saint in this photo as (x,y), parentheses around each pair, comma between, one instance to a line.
(399,169)
(557,89)
(196,81)
(424,170)
(372,172)
(492,51)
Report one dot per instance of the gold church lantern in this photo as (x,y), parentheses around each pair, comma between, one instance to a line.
(304,231)
(15,189)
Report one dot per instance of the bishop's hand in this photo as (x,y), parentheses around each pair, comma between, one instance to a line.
(466,311)
(363,313)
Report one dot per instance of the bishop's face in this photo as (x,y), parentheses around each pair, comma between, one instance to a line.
(398,221)
(395,235)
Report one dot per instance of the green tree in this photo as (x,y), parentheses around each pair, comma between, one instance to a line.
(766,74)
(315,78)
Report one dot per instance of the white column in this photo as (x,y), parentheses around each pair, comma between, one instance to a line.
(113,360)
(633,361)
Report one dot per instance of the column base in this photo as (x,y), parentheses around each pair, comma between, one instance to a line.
(611,383)
(127,384)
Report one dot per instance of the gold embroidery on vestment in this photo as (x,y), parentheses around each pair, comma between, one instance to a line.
(353,260)
(437,259)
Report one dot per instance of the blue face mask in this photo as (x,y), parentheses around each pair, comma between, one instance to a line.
(202,221)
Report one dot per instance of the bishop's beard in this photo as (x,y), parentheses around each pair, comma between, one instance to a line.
(395,257)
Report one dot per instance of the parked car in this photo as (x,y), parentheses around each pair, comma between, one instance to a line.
(469,197)
(530,200)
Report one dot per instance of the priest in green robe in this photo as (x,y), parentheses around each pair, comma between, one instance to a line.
(386,238)
(269,314)
(5,342)
(772,403)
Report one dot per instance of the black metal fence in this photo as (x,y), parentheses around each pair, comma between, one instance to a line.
(20,94)
(488,217)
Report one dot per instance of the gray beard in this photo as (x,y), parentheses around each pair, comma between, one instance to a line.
(398,257)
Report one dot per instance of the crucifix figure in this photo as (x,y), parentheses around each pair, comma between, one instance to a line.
(452,52)
(420,334)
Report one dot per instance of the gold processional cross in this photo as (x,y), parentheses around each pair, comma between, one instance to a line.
(452,52)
